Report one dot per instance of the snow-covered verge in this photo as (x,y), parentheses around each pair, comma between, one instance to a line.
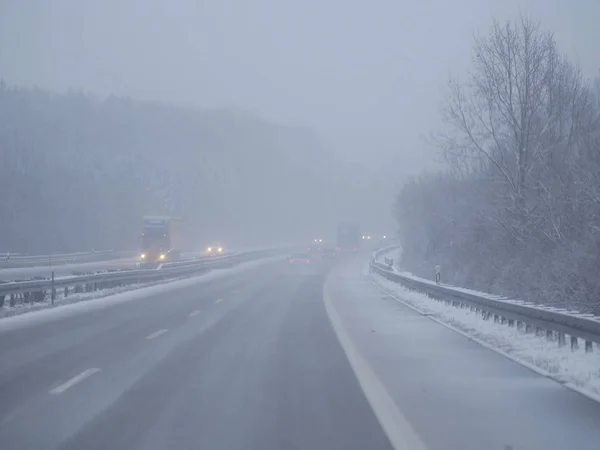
(75,304)
(61,300)
(577,370)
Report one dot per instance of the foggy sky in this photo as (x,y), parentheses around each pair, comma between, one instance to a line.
(368,74)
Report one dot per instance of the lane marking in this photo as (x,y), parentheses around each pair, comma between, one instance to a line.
(219,300)
(195,313)
(73,381)
(157,333)
(395,425)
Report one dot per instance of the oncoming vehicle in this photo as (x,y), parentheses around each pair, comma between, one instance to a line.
(160,239)
(214,250)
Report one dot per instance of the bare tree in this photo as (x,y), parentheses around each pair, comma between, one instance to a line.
(519,212)
(518,106)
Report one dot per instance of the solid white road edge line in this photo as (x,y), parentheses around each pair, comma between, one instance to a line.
(73,381)
(156,334)
(219,300)
(195,313)
(394,424)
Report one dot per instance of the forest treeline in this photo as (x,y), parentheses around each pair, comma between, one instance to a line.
(78,172)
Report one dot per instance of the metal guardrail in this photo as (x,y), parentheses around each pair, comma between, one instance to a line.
(36,290)
(551,322)
(9,260)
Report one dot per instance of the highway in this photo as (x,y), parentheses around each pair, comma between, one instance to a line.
(261,359)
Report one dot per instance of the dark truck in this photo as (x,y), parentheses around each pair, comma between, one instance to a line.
(160,239)
(348,237)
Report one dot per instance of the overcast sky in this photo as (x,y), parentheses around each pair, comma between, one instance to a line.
(367,74)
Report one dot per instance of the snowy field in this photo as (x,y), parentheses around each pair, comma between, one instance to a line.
(575,369)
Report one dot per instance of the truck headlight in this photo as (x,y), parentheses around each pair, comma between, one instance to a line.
(220,249)
(209,249)
(143,256)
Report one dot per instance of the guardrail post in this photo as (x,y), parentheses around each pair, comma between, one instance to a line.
(549,335)
(53,289)
(528,328)
(438,274)
(574,343)
(561,339)
(66,294)
(589,346)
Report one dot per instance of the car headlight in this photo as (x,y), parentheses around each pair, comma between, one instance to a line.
(143,256)
(220,250)
(162,256)
(209,249)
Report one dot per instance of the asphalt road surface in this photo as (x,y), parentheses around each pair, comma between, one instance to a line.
(260,359)
(249,361)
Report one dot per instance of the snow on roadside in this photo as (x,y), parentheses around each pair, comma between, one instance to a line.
(59,311)
(61,300)
(573,368)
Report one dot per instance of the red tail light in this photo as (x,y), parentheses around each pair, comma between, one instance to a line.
(291,260)
(308,260)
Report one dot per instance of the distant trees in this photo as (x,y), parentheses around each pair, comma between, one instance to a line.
(77,173)
(518,210)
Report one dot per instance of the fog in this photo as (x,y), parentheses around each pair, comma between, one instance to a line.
(285,119)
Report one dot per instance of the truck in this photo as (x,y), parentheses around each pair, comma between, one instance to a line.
(160,240)
(348,237)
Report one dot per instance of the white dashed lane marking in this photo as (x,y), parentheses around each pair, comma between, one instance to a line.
(156,334)
(73,381)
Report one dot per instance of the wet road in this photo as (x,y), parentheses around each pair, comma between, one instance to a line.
(259,358)
(248,361)
(455,393)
